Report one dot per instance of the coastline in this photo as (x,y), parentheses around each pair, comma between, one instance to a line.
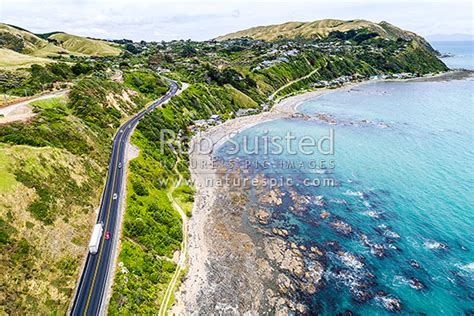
(196,278)
(186,296)
(288,106)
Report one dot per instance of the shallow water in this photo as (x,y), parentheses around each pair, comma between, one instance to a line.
(404,160)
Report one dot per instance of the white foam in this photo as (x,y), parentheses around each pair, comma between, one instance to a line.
(467,267)
(372,214)
(354,193)
(338,201)
(350,260)
(433,244)
(347,278)
(391,234)
(399,280)
(390,303)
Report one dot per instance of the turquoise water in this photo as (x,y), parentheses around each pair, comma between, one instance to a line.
(404,160)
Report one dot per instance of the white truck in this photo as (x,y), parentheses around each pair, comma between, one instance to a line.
(95,238)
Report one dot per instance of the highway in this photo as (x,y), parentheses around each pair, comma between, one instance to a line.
(91,290)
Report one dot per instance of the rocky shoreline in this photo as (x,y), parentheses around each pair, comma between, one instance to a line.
(217,241)
(238,263)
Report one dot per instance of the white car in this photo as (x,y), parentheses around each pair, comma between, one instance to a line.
(120,165)
(115,196)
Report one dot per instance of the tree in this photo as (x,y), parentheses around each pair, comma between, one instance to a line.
(139,188)
(156,59)
(188,50)
(61,70)
(132,48)
(81,68)
(169,58)
(41,75)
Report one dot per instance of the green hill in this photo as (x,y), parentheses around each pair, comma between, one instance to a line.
(85,46)
(25,42)
(51,174)
(20,48)
(20,40)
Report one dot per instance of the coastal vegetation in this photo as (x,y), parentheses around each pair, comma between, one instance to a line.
(52,171)
(48,77)
(151,232)
(147,83)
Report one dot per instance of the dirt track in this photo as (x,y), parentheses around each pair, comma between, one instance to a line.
(22,111)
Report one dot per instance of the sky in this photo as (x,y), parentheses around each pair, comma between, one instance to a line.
(205,19)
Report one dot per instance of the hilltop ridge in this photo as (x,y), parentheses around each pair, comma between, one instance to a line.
(322,29)
(20,44)
(84,45)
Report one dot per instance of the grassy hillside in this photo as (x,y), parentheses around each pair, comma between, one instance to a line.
(85,46)
(11,60)
(51,50)
(19,40)
(319,29)
(55,44)
(52,170)
(40,259)
(19,47)
(25,42)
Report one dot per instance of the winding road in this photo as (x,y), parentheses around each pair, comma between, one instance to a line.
(91,290)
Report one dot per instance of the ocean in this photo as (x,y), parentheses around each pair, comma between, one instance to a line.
(395,201)
(462,53)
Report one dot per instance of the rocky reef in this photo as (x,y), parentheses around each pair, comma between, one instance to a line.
(260,263)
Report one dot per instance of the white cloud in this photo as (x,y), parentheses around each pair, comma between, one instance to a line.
(178,19)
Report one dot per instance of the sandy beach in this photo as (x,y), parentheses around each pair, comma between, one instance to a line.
(196,280)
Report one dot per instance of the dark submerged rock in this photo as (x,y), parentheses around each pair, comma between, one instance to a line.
(415,264)
(417,284)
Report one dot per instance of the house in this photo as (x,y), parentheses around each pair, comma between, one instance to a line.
(265,107)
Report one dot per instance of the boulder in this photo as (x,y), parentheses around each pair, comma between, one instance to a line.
(284,283)
(325,214)
(262,216)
